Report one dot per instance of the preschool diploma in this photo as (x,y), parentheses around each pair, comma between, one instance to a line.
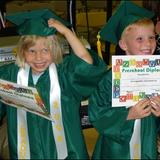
(134,78)
(22,97)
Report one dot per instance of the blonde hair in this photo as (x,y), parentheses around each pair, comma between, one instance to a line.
(140,22)
(51,42)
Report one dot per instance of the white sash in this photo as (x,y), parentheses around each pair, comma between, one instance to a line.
(55,109)
(56,113)
(22,131)
(135,142)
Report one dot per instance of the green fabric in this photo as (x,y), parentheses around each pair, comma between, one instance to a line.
(126,13)
(115,131)
(74,77)
(35,22)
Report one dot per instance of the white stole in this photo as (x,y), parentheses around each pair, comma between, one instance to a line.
(135,142)
(56,113)
(22,131)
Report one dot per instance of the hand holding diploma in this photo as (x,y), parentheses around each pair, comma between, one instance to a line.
(155,103)
(139,110)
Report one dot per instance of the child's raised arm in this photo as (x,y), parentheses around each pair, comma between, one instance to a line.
(78,48)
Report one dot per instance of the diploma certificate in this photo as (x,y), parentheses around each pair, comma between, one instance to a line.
(21,97)
(134,78)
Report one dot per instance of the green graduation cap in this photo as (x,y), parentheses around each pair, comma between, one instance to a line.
(35,22)
(127,13)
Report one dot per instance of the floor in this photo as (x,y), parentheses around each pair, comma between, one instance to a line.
(90,135)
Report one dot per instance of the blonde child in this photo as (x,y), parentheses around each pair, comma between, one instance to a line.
(61,82)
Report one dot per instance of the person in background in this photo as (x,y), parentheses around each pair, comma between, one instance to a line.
(154,5)
(126,132)
(62,82)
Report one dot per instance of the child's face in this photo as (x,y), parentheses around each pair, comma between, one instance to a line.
(140,40)
(38,57)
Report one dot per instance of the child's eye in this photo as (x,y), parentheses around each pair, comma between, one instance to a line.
(32,51)
(44,50)
(152,37)
(139,39)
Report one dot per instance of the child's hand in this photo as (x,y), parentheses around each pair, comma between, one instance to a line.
(140,110)
(155,103)
(58,25)
(74,42)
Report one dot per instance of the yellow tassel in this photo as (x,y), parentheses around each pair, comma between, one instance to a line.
(99,46)
(14,51)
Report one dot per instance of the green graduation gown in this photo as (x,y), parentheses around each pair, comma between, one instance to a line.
(114,130)
(77,80)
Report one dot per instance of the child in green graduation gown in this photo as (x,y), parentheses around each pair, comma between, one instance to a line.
(62,84)
(131,27)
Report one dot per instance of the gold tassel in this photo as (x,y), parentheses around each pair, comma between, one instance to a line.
(14,51)
(99,46)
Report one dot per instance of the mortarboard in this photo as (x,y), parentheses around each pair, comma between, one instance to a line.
(35,22)
(126,14)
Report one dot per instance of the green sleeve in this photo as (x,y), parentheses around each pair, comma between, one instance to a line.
(82,77)
(7,73)
(3,75)
(109,121)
